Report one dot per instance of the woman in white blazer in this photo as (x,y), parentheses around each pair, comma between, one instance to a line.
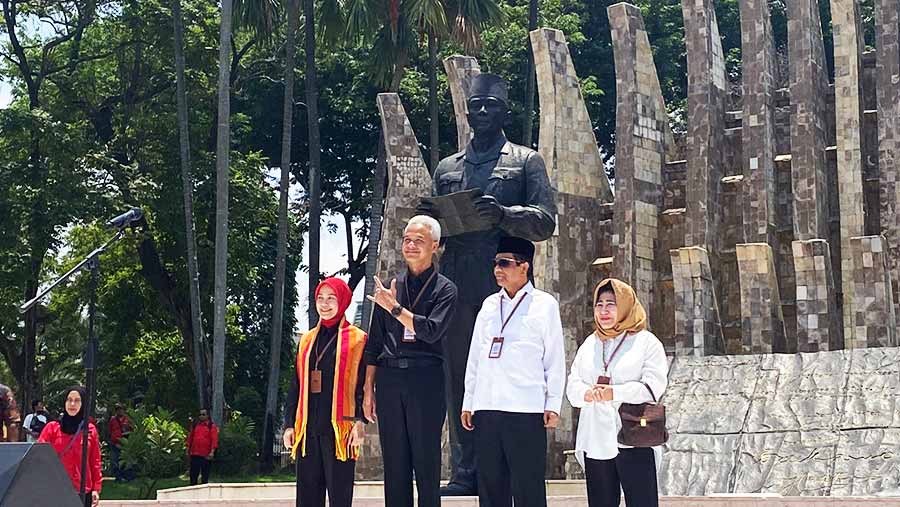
(618,363)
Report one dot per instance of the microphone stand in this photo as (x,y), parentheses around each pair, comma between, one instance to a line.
(93,346)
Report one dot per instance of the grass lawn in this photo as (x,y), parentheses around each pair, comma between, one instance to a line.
(137,489)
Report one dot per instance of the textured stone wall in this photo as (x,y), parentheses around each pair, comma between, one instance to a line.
(761,319)
(848,120)
(697,328)
(758,129)
(873,309)
(705,123)
(790,424)
(566,139)
(460,71)
(887,43)
(642,135)
(818,322)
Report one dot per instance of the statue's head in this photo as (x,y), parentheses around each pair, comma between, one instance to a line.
(487,105)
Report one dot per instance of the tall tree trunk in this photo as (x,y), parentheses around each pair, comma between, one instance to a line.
(187,191)
(269,425)
(528,114)
(434,134)
(315,148)
(222,176)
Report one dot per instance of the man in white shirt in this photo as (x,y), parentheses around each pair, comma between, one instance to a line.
(515,377)
(35,421)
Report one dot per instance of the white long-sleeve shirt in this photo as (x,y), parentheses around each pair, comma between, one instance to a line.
(640,358)
(530,373)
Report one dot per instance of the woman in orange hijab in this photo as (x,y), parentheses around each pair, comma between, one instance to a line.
(323,420)
(620,362)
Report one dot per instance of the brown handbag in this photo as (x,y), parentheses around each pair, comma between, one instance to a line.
(643,424)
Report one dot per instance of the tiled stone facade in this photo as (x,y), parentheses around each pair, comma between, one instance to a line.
(698,330)
(873,310)
(705,123)
(758,131)
(808,85)
(642,135)
(818,323)
(566,139)
(460,71)
(887,66)
(761,319)
(848,120)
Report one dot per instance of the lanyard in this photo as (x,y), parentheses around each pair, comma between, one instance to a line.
(506,321)
(606,362)
(421,291)
(320,355)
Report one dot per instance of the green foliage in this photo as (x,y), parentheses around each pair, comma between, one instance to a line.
(155,449)
(237,447)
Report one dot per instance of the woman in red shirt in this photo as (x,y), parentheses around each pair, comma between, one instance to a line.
(65,437)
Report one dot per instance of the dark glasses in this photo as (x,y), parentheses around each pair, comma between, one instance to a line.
(506,263)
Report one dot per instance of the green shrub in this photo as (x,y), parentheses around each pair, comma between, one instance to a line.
(155,449)
(237,448)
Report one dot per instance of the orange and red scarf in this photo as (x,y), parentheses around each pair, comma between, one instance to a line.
(350,344)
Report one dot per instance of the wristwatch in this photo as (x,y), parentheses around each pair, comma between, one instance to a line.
(397,310)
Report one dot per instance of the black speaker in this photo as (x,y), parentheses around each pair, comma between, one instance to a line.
(31,475)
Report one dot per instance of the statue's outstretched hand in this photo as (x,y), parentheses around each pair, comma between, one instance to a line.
(427,208)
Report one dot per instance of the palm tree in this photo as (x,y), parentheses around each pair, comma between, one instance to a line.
(188,197)
(223,135)
(293,19)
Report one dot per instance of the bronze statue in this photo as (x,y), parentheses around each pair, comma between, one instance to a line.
(518,200)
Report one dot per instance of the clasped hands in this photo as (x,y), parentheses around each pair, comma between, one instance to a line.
(357,435)
(599,392)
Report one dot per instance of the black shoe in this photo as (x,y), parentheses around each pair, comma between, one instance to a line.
(456,489)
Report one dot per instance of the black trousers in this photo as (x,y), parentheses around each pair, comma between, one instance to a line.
(456,355)
(320,471)
(199,466)
(411,407)
(634,470)
(511,454)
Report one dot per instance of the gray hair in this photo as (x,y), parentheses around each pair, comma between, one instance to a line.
(427,221)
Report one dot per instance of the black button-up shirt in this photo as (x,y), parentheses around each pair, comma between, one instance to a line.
(431,318)
(318,418)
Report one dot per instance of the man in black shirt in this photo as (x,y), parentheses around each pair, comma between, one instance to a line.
(404,373)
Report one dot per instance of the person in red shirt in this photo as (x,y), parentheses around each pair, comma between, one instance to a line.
(202,442)
(65,437)
(119,428)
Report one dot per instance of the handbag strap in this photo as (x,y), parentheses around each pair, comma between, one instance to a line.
(650,391)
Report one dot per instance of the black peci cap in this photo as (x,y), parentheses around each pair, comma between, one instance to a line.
(489,85)
(516,246)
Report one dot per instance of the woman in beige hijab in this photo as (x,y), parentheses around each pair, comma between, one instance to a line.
(620,362)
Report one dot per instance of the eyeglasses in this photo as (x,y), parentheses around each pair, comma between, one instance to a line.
(506,263)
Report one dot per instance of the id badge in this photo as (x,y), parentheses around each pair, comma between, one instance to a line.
(315,381)
(496,347)
(604,380)
(408,336)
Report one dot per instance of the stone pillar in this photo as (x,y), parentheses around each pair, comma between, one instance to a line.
(873,305)
(460,71)
(809,86)
(562,264)
(408,181)
(887,20)
(706,123)
(762,322)
(758,121)
(848,108)
(566,139)
(642,134)
(698,331)
(818,323)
